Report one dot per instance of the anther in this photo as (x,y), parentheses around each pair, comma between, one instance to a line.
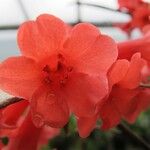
(62,82)
(59,65)
(47,80)
(69,68)
(60,56)
(66,76)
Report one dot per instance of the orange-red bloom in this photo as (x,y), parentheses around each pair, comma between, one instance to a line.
(59,72)
(129,5)
(127,48)
(140,14)
(125,98)
(125,78)
(16,124)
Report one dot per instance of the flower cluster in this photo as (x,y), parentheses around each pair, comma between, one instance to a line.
(139,12)
(64,71)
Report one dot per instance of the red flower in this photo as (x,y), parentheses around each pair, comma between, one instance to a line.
(59,69)
(130,5)
(123,92)
(124,79)
(139,103)
(128,48)
(23,140)
(16,124)
(141,17)
(139,12)
(10,116)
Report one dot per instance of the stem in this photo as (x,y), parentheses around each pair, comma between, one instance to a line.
(9,101)
(145,85)
(133,136)
(78,11)
(103,7)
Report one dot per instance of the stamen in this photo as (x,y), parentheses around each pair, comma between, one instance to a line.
(66,76)
(47,80)
(62,82)
(46,69)
(60,56)
(69,69)
(59,66)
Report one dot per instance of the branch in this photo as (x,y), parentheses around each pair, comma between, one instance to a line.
(9,101)
(99,24)
(133,136)
(9,27)
(103,7)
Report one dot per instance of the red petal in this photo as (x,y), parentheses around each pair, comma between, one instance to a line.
(41,38)
(122,98)
(84,92)
(27,136)
(145,51)
(116,106)
(110,115)
(133,76)
(19,76)
(80,40)
(49,107)
(86,125)
(90,52)
(139,104)
(12,113)
(118,71)
(128,4)
(128,48)
(47,134)
(1,144)
(10,118)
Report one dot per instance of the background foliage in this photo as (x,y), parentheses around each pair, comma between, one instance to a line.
(100,140)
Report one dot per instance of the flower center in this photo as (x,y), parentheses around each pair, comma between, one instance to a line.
(56,72)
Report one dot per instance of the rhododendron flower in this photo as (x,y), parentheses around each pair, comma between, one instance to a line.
(124,80)
(60,71)
(10,117)
(127,48)
(139,12)
(126,90)
(130,5)
(140,18)
(139,103)
(23,140)
(16,124)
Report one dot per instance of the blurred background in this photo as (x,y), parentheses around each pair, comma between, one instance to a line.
(15,12)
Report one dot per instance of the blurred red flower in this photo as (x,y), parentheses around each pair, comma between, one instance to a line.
(139,12)
(129,5)
(127,48)
(16,124)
